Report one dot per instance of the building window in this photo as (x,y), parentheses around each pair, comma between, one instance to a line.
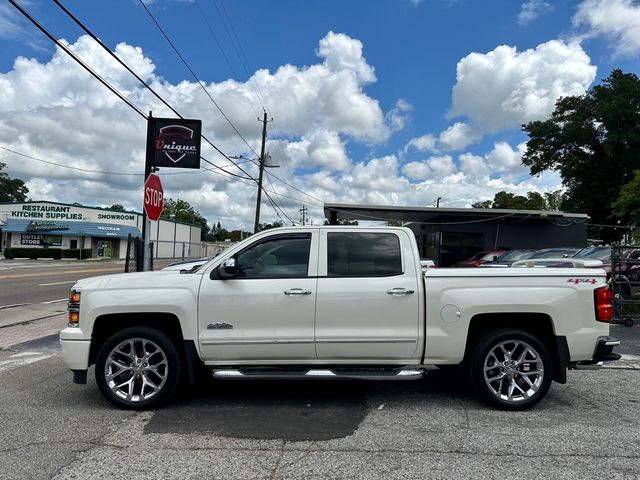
(73,244)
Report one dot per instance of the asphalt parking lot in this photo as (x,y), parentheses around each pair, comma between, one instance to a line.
(432,428)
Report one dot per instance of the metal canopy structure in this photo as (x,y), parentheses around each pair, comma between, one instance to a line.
(448,235)
(334,212)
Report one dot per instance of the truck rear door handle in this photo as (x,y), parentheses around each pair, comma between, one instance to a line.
(399,291)
(297,292)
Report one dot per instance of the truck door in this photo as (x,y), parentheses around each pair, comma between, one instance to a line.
(368,305)
(267,311)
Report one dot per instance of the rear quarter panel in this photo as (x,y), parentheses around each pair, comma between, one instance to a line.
(454,297)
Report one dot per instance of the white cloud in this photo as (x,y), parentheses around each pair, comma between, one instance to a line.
(457,136)
(532,9)
(505,88)
(343,53)
(321,148)
(433,167)
(617,20)
(398,116)
(424,143)
(57,112)
(504,158)
(379,174)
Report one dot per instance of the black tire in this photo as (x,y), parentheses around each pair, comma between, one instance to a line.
(503,369)
(147,366)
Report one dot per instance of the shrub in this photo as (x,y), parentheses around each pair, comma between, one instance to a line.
(32,253)
(75,253)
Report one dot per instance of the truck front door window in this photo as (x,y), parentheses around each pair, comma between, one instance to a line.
(283,257)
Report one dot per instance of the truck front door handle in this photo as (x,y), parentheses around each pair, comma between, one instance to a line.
(297,292)
(399,291)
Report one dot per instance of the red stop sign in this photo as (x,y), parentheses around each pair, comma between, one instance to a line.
(153,197)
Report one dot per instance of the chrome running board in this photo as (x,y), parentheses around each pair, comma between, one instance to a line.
(335,373)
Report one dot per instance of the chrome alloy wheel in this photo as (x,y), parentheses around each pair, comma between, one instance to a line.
(136,370)
(513,371)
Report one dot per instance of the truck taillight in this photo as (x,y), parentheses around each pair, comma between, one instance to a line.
(602,302)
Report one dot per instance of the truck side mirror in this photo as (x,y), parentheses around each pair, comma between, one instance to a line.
(227,269)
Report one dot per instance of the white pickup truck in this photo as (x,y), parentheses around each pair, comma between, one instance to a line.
(336,302)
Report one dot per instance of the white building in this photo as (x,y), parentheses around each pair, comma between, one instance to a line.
(64,226)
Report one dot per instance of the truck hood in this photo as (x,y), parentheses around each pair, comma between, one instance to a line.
(140,280)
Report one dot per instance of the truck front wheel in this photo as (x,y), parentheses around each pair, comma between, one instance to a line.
(510,369)
(138,368)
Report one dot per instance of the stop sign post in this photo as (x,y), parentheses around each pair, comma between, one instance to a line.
(153,197)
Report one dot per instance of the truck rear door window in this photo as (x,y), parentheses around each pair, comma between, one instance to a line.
(353,254)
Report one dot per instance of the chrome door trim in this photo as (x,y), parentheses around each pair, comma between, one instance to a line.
(254,342)
(372,340)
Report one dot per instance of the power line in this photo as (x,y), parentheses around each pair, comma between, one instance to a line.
(114,90)
(194,75)
(224,54)
(294,187)
(83,169)
(245,63)
(76,58)
(142,81)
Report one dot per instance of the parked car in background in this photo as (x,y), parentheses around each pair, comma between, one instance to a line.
(562,252)
(480,258)
(189,266)
(508,257)
(602,253)
(427,263)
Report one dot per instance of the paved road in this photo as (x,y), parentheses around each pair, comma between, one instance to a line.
(50,428)
(45,281)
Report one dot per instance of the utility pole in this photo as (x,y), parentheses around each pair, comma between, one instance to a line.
(303,211)
(256,225)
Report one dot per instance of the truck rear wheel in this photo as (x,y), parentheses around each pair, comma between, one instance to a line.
(511,369)
(138,368)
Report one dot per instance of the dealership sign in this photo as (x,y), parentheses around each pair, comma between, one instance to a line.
(176,142)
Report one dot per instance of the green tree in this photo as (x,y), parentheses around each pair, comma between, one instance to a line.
(627,205)
(532,201)
(267,226)
(11,189)
(117,207)
(593,142)
(182,211)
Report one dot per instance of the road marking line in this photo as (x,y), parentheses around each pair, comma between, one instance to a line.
(25,354)
(19,362)
(56,301)
(66,272)
(56,283)
(14,305)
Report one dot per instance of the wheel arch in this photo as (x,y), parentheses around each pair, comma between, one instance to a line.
(105,326)
(540,325)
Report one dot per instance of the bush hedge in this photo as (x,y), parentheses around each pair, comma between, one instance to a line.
(33,253)
(75,252)
(55,253)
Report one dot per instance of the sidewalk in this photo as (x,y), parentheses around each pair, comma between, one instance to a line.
(29,322)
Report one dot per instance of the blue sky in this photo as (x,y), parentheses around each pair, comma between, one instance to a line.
(385,102)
